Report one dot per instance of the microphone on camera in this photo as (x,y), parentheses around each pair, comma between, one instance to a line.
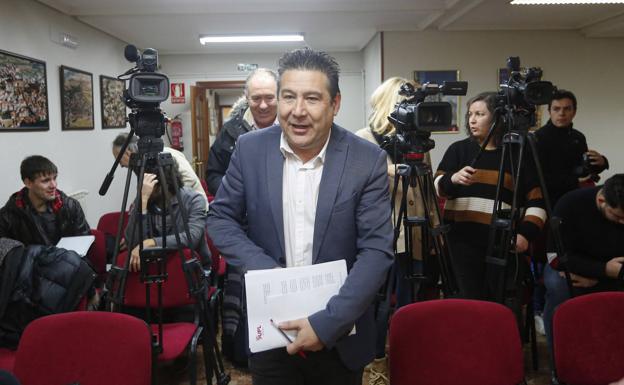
(131,53)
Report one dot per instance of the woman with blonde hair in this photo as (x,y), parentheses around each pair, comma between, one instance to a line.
(383,102)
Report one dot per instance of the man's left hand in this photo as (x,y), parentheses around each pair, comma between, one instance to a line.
(522,244)
(596,159)
(306,336)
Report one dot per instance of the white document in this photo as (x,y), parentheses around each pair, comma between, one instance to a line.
(287,294)
(79,244)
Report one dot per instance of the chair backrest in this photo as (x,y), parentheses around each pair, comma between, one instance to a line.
(97,252)
(588,339)
(7,359)
(175,290)
(109,221)
(90,348)
(455,342)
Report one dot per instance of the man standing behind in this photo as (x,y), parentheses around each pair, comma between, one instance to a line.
(310,192)
(261,98)
(40,214)
(561,149)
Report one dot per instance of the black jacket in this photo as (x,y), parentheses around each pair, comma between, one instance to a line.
(36,281)
(17,220)
(561,154)
(222,149)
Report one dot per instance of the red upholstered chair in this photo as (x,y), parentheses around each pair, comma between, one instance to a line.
(453,342)
(7,359)
(178,338)
(90,348)
(108,223)
(588,339)
(97,253)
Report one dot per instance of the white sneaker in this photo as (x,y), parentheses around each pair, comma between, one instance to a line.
(539,324)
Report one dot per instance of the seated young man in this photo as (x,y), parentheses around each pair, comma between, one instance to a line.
(40,213)
(592,231)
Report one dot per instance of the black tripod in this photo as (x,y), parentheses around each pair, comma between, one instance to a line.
(503,229)
(153,260)
(415,173)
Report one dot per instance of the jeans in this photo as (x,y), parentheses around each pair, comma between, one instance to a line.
(557,292)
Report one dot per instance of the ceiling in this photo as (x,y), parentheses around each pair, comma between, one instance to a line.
(173,26)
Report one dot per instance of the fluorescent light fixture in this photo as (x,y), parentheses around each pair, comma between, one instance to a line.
(564,2)
(249,38)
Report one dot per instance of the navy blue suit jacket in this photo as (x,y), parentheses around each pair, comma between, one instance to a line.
(352,223)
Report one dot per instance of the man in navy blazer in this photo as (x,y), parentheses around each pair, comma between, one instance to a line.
(302,192)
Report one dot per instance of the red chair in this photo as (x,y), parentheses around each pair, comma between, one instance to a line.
(97,253)
(453,342)
(7,359)
(588,339)
(90,348)
(108,223)
(177,337)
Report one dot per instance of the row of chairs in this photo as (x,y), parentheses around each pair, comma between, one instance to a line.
(476,342)
(178,338)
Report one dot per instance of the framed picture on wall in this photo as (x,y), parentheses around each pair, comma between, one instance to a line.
(76,99)
(23,93)
(113,108)
(438,77)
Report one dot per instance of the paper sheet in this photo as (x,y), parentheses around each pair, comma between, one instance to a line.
(79,244)
(287,294)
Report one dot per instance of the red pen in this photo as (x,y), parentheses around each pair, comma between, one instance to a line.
(301,353)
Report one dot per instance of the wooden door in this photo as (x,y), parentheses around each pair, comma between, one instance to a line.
(201,129)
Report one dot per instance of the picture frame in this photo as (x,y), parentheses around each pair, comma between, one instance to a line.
(76,99)
(112,106)
(23,93)
(438,77)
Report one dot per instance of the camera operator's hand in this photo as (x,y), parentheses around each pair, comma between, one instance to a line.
(463,176)
(135,259)
(612,269)
(522,244)
(596,159)
(149,182)
(579,280)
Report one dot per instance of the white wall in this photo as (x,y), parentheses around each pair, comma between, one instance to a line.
(591,68)
(83,157)
(193,68)
(372,68)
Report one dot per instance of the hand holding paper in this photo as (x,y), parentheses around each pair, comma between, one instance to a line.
(306,337)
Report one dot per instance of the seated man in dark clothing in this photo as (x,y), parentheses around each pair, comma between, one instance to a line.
(592,230)
(40,214)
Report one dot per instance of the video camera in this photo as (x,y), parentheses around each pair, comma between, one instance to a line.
(524,90)
(415,119)
(145,91)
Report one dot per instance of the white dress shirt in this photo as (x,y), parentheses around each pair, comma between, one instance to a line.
(300,188)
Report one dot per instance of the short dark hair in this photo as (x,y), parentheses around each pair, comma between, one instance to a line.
(613,191)
(311,60)
(36,165)
(563,94)
(489,98)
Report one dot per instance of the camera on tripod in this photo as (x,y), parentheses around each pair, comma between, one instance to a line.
(524,90)
(415,119)
(145,91)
